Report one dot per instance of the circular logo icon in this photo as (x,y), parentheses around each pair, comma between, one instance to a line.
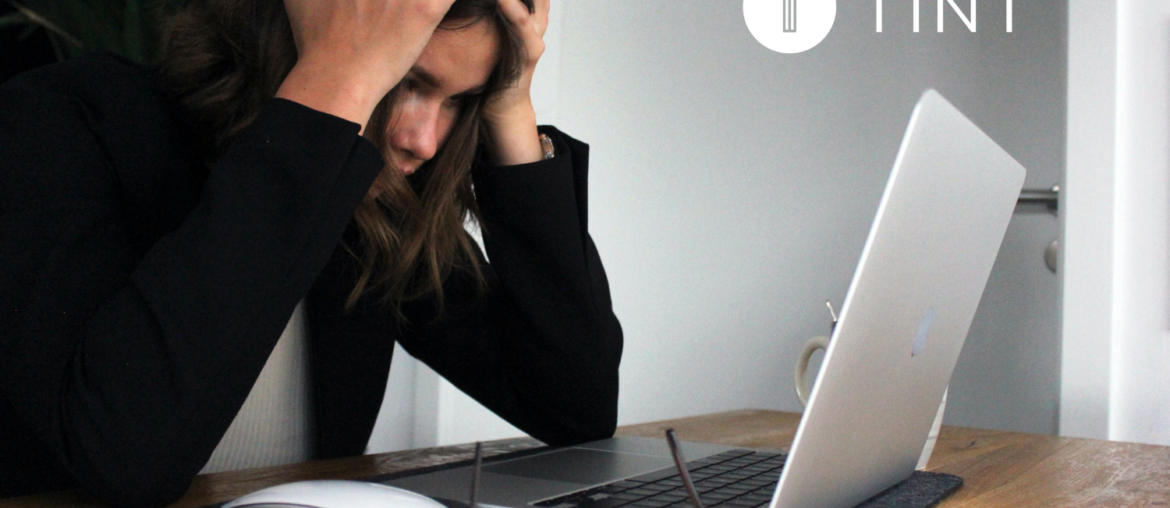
(789,26)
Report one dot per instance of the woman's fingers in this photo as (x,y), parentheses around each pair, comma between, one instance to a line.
(514,10)
(542,7)
(517,13)
(350,53)
(531,26)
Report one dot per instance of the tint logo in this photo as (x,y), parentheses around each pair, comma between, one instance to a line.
(969,18)
(789,26)
(796,26)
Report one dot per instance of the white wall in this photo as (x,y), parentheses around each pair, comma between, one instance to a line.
(1117,303)
(1141,386)
(732,187)
(1087,257)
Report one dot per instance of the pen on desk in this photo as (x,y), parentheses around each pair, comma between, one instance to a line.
(681,464)
(473,502)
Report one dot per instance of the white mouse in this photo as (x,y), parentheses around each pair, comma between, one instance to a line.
(334,494)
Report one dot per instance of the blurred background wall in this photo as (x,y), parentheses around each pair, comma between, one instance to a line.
(732,189)
(1117,286)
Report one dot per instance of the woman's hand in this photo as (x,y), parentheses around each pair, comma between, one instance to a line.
(351,53)
(509,114)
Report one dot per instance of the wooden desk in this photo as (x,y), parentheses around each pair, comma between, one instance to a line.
(1000,468)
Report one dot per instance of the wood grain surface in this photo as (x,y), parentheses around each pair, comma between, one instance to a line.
(999,468)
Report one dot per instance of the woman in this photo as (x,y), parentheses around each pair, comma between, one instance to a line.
(159,226)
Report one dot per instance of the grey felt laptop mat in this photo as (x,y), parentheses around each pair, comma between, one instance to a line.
(924,489)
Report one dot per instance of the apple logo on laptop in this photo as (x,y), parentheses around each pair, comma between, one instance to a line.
(923,331)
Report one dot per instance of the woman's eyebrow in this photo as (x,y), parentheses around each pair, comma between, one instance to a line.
(471,93)
(425,77)
(432,81)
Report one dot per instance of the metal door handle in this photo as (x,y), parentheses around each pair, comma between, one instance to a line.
(1047,197)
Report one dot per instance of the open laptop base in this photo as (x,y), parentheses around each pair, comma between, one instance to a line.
(924,489)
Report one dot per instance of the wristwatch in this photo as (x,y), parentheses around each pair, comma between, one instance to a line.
(546,146)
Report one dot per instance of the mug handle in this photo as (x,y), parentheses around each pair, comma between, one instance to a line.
(810,347)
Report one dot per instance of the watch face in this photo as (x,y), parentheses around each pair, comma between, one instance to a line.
(546,146)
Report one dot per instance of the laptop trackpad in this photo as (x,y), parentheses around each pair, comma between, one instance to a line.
(578,465)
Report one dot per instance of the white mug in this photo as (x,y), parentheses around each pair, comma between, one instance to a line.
(803,393)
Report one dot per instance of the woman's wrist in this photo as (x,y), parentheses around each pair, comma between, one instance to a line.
(330,90)
(514,138)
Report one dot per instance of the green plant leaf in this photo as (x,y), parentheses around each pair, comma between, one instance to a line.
(14,19)
(36,18)
(127,27)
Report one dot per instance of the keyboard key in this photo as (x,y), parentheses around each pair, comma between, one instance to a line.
(650,503)
(718,496)
(626,496)
(757,496)
(602,503)
(656,475)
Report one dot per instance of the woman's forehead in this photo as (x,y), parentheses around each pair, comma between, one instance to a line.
(461,59)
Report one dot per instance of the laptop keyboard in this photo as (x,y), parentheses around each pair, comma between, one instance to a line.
(733,479)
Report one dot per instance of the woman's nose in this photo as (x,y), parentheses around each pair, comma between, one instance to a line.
(416,131)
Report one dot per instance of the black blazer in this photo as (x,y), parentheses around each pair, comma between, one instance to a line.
(141,293)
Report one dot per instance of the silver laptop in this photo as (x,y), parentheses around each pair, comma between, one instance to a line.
(927,259)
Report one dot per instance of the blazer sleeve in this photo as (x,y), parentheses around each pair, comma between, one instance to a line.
(130,365)
(543,346)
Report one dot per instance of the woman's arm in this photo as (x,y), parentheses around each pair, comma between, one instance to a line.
(542,348)
(509,115)
(126,354)
(350,54)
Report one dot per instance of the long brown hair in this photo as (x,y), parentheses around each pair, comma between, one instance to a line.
(224,59)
